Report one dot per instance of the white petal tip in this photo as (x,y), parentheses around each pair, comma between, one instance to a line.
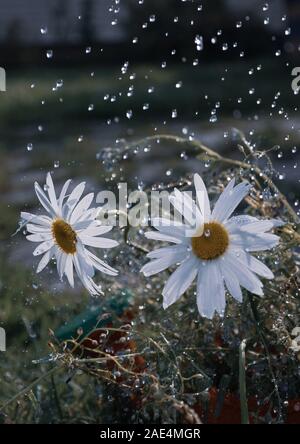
(278,223)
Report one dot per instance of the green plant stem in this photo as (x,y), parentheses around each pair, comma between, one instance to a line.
(242,383)
(30,387)
(268,355)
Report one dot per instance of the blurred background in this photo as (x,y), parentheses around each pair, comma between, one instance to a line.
(84,75)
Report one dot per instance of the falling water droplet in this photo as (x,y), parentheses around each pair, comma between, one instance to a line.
(199,42)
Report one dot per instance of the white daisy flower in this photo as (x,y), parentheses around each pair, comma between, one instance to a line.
(65,232)
(217,252)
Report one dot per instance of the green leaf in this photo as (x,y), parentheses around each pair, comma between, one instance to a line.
(242,383)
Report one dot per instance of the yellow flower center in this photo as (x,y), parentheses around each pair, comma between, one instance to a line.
(212,243)
(64,236)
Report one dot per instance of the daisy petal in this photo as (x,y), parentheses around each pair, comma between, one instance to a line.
(61,263)
(96,230)
(236,222)
(72,200)
(179,281)
(210,290)
(39,237)
(69,270)
(163,261)
(43,200)
(51,193)
(185,205)
(45,260)
(246,278)
(254,242)
(33,228)
(254,264)
(167,251)
(228,204)
(43,247)
(84,261)
(63,194)
(98,242)
(261,226)
(172,228)
(231,281)
(156,235)
(202,197)
(101,265)
(86,280)
(45,221)
(277,222)
(84,224)
(221,202)
(81,207)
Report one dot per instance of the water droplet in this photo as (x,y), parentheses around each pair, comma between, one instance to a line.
(207,233)
(29,146)
(56,164)
(174,113)
(199,42)
(49,54)
(91,107)
(129,114)
(124,68)
(44,30)
(179,84)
